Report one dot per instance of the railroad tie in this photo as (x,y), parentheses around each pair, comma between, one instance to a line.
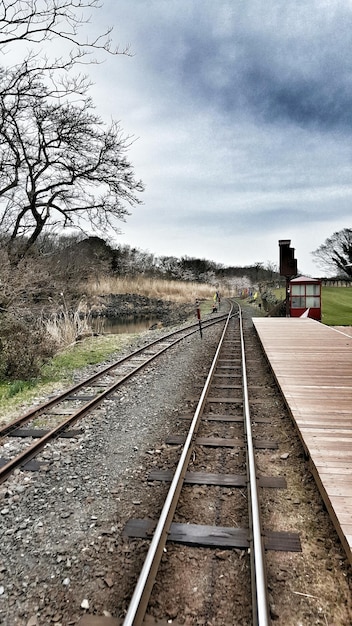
(213,536)
(220,480)
(215,442)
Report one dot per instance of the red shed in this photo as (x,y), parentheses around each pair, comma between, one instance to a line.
(305,297)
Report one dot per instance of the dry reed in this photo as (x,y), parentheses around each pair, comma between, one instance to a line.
(64,327)
(169,290)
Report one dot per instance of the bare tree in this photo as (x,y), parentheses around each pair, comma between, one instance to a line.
(38,21)
(335,254)
(27,30)
(61,166)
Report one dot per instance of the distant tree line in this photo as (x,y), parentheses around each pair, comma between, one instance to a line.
(52,277)
(85,256)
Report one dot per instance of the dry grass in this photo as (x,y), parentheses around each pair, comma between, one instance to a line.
(171,290)
(64,329)
(65,326)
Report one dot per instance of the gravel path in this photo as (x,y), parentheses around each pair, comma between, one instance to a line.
(60,528)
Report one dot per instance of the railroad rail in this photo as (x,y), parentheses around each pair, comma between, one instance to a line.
(209,571)
(60,412)
(228,373)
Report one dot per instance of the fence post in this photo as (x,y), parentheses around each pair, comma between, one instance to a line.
(200,323)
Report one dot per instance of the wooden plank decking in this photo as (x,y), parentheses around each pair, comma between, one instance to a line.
(312,364)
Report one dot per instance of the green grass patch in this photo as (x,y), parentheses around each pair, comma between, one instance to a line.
(337,306)
(206,307)
(19,386)
(16,393)
(90,351)
(15,387)
(59,370)
(280,293)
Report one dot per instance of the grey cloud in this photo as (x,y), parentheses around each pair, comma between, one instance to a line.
(243,109)
(241,221)
(291,63)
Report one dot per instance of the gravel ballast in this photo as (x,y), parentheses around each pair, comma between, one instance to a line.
(60,528)
(63,552)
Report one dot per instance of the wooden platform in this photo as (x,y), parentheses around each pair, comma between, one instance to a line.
(312,364)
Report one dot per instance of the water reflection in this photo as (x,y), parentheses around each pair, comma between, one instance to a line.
(120,325)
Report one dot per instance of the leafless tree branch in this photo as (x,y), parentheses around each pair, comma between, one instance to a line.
(63,164)
(335,254)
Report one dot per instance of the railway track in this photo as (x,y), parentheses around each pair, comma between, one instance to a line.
(76,534)
(54,417)
(223,407)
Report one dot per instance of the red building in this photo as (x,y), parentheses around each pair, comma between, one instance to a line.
(305,297)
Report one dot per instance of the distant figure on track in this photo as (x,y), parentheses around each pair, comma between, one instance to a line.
(216,304)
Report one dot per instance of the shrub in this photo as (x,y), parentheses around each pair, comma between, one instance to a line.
(269,299)
(23,349)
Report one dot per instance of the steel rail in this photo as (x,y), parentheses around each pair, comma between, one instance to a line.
(140,598)
(260,602)
(35,411)
(31,451)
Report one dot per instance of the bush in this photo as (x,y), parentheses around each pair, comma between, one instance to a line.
(269,299)
(23,349)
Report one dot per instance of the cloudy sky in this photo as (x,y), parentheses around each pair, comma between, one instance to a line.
(241,112)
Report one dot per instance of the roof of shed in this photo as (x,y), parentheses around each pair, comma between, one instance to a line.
(304,279)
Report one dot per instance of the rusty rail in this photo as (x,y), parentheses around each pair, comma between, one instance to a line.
(31,451)
(141,595)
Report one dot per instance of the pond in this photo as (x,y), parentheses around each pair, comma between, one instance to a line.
(122,325)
